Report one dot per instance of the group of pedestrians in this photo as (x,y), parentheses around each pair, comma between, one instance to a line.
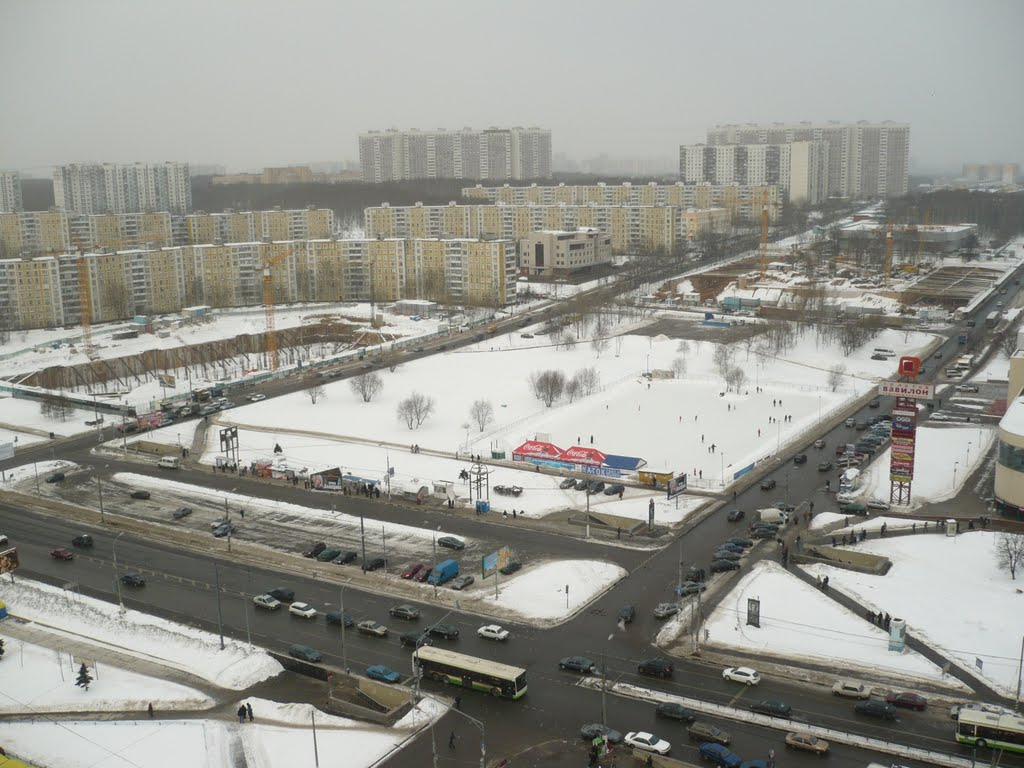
(245,712)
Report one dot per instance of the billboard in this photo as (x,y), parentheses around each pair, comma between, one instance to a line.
(677,486)
(8,560)
(494,561)
(909,389)
(6,451)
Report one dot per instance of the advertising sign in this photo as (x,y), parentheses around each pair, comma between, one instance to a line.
(677,486)
(494,562)
(536,449)
(8,560)
(6,451)
(911,389)
(581,455)
(753,612)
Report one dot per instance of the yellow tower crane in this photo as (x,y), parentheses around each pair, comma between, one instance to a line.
(764,240)
(888,253)
(268,304)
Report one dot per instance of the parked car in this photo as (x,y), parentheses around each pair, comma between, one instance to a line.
(181,512)
(345,557)
(224,529)
(256,398)
(370,627)
(907,700)
(739,541)
(701,731)
(328,555)
(374,564)
(819,443)
(60,553)
(382,674)
(424,574)
(877,504)
(851,690)
(582,484)
(768,484)
(772,707)
(596,486)
(627,613)
(591,731)
(447,631)
(727,554)
(824,466)
(735,515)
(283,594)
(133,579)
(690,588)
(407,612)
(55,477)
(140,494)
(875,708)
(305,653)
(674,711)
(302,610)
(721,565)
(853,508)
(967,388)
(493,632)
(338,619)
(742,675)
(577,664)
(569,482)
(665,610)
(719,755)
(314,550)
(415,639)
(451,542)
(268,602)
(800,458)
(614,489)
(461,582)
(82,540)
(410,570)
(764,532)
(511,568)
(806,742)
(647,742)
(656,667)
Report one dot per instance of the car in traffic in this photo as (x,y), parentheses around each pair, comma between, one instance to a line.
(719,755)
(314,550)
(82,540)
(742,675)
(806,742)
(647,742)
(735,515)
(627,613)
(493,632)
(783,506)
(55,477)
(824,466)
(875,708)
(416,639)
(819,443)
(305,653)
(851,690)
(181,512)
(382,674)
(851,422)
(257,398)
(60,553)
(338,619)
(370,627)
(407,612)
(768,484)
(139,494)
(283,594)
(701,731)
(346,557)
(591,731)
(302,610)
(673,711)
(665,610)
(800,458)
(447,631)
(657,667)
(328,555)
(853,508)
(772,707)
(874,403)
(907,700)
(462,581)
(577,664)
(450,542)
(269,602)
(512,567)
(722,565)
(966,387)
(133,579)
(567,483)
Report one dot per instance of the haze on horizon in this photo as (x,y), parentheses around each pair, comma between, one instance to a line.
(247,83)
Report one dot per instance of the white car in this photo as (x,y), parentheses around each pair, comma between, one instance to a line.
(647,741)
(305,610)
(967,388)
(742,675)
(851,690)
(269,602)
(256,398)
(493,632)
(939,417)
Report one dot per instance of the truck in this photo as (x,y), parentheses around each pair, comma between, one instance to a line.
(443,572)
(961,339)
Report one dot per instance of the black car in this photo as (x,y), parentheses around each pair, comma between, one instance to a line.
(739,541)
(768,483)
(374,564)
(764,532)
(735,515)
(726,554)
(772,707)
(315,550)
(800,458)
(511,568)
(656,667)
(695,573)
(407,612)
(674,711)
(82,540)
(627,613)
(875,708)
(133,579)
(224,529)
(874,403)
(55,477)
(577,664)
(347,556)
(582,484)
(447,631)
(338,619)
(283,594)
(140,494)
(415,639)
(729,546)
(181,512)
(614,489)
(718,566)
(451,542)
(569,482)
(596,486)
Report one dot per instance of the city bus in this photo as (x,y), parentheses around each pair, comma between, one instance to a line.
(453,668)
(988,729)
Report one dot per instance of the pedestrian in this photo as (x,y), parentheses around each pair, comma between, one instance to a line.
(248,711)
(713,446)
(451,741)
(458,702)
(504,513)
(700,475)
(513,514)
(621,492)
(150,708)
(242,513)
(817,581)
(618,533)
(773,402)
(833,541)
(702,438)
(759,433)
(812,506)
(241,713)
(926,525)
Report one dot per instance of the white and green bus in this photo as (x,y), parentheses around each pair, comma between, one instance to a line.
(453,668)
(989,729)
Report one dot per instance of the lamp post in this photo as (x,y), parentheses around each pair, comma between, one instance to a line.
(604,682)
(99,482)
(955,465)
(344,652)
(722,456)
(117,578)
(968,462)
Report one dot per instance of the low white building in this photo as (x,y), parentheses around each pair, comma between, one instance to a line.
(559,252)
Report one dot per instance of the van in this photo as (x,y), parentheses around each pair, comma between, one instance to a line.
(884,351)
(169,462)
(443,572)
(773,516)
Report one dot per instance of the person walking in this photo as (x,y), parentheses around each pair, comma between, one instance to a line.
(451,741)
(150,708)
(241,713)
(248,711)
(458,703)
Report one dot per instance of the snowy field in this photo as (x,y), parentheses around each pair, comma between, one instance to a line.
(988,620)
(799,621)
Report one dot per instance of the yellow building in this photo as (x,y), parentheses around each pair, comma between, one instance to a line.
(32,290)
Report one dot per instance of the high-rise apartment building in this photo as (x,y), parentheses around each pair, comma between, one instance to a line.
(113,188)
(799,169)
(10,191)
(496,154)
(864,159)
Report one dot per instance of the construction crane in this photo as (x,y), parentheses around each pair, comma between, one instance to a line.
(268,304)
(764,240)
(888,253)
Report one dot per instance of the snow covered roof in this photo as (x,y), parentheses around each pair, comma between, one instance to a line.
(1013,419)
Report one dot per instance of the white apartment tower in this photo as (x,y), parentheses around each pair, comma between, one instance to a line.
(864,159)
(799,168)
(123,188)
(10,192)
(498,154)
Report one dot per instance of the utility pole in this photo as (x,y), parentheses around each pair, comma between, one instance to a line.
(362,536)
(680,561)
(117,578)
(220,615)
(1020,669)
(344,652)
(384,543)
(99,481)
(434,551)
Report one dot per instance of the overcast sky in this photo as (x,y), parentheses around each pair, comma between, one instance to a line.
(248,83)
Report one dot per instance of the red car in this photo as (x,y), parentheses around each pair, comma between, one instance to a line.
(908,700)
(411,570)
(422,574)
(62,554)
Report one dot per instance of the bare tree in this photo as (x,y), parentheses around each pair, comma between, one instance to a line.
(599,344)
(722,358)
(482,412)
(574,387)
(547,386)
(1010,552)
(590,379)
(1008,344)
(565,338)
(736,378)
(683,347)
(679,366)
(315,389)
(415,409)
(836,374)
(367,385)
(404,411)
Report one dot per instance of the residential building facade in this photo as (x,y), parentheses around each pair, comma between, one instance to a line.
(10,191)
(497,154)
(864,159)
(122,188)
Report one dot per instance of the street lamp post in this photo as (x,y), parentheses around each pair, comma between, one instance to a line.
(344,653)
(99,482)
(117,577)
(955,465)
(722,455)
(968,462)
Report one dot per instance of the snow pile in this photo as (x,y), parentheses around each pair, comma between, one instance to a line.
(540,592)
